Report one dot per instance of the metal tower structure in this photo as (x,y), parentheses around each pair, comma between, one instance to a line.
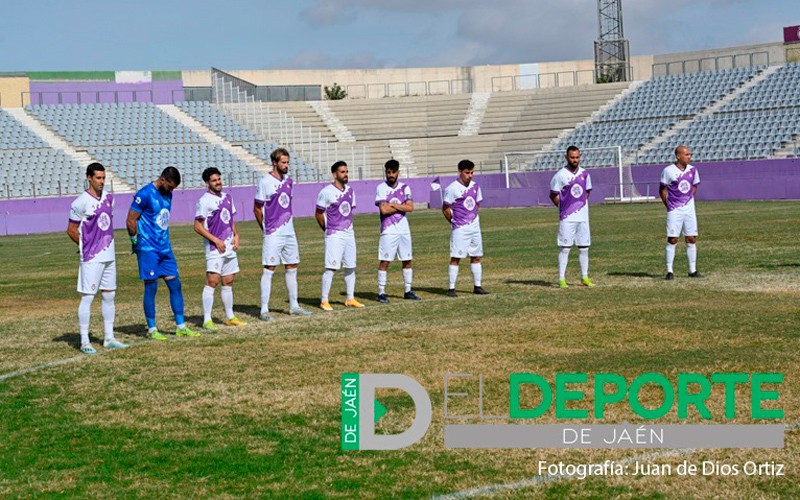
(611,51)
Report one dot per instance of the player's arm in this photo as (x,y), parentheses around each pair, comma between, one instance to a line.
(235,236)
(386,208)
(73,231)
(320,216)
(258,211)
(662,192)
(200,229)
(554,197)
(132,225)
(448,213)
(405,207)
(694,190)
(132,222)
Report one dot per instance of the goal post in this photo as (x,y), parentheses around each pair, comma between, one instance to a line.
(591,158)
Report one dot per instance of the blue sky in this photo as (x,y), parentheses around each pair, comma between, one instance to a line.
(41,35)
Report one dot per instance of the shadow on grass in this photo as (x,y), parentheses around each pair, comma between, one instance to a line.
(73,339)
(546,284)
(634,274)
(431,290)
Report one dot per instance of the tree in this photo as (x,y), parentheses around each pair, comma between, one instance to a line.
(335,92)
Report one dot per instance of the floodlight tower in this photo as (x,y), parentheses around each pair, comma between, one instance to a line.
(611,51)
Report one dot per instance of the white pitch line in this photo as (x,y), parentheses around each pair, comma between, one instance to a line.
(539,479)
(64,361)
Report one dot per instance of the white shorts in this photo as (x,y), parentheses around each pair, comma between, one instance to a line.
(94,276)
(224,266)
(280,249)
(574,233)
(340,251)
(466,242)
(681,221)
(394,245)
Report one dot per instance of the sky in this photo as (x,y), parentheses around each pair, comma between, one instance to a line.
(59,35)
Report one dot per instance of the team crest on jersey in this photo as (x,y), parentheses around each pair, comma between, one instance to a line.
(283,200)
(684,186)
(576,191)
(469,203)
(394,200)
(225,215)
(163,219)
(104,222)
(344,208)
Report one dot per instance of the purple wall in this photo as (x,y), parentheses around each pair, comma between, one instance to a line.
(719,181)
(158,92)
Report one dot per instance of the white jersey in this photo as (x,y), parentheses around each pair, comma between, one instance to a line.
(573,197)
(216,212)
(463,202)
(96,219)
(275,197)
(399,194)
(680,187)
(338,206)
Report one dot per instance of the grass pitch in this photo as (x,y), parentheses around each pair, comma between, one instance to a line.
(255,411)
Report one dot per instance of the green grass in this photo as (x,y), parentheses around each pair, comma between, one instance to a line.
(255,411)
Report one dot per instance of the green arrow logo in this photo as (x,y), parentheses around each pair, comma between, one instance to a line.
(380,410)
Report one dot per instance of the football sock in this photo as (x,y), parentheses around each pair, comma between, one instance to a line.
(84,313)
(408,275)
(691,254)
(670,256)
(150,289)
(583,259)
(266,289)
(563,258)
(208,302)
(452,274)
(176,301)
(109,312)
(381,281)
(291,287)
(226,294)
(327,281)
(350,282)
(477,272)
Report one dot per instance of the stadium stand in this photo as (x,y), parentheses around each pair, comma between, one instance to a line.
(753,125)
(29,167)
(652,108)
(137,140)
(739,113)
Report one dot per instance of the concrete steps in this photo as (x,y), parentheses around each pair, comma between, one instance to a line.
(210,136)
(82,158)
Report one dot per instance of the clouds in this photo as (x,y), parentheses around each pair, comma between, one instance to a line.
(472,32)
(310,34)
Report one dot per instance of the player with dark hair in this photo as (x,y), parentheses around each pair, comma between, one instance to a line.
(213,221)
(148,227)
(335,204)
(273,210)
(394,201)
(91,226)
(460,205)
(569,191)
